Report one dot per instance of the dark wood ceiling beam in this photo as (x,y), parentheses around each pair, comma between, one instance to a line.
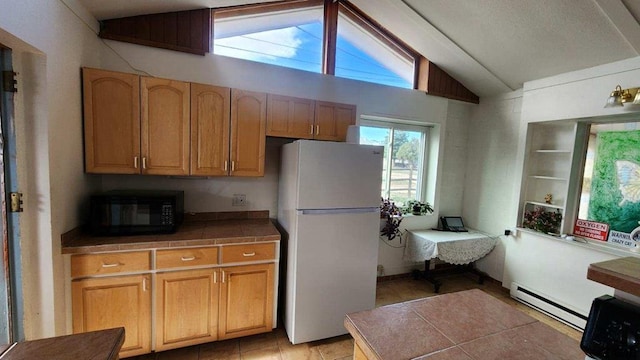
(186,31)
(330,37)
(435,81)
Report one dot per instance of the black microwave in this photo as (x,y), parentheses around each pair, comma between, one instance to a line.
(136,212)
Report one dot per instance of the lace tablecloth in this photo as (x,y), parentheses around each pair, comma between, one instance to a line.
(457,248)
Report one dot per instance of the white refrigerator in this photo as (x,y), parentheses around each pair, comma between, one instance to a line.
(329,205)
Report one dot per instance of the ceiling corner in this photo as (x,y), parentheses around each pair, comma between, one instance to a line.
(622,18)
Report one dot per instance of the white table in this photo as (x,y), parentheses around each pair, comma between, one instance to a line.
(458,248)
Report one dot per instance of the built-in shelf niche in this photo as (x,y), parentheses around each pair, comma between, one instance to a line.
(550,154)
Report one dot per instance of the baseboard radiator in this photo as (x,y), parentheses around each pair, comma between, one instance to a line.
(549,306)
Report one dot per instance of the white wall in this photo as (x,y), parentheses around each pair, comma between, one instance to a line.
(580,94)
(496,155)
(551,266)
(50,44)
(492,180)
(451,184)
(494,169)
(554,268)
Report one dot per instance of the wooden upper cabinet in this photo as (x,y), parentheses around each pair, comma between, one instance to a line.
(332,120)
(210,111)
(111,121)
(290,117)
(248,126)
(165,126)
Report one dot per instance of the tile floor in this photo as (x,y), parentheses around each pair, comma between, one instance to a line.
(276,346)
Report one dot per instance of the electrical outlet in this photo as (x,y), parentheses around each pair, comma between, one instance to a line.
(239,200)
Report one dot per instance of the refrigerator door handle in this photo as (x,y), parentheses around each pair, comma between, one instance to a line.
(338,211)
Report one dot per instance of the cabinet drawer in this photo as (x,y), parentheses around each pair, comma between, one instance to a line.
(109,263)
(248,252)
(171,258)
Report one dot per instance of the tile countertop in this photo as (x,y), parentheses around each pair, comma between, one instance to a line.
(95,345)
(196,230)
(622,274)
(463,325)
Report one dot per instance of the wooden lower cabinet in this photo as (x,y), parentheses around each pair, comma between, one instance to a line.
(246,300)
(190,307)
(118,301)
(186,308)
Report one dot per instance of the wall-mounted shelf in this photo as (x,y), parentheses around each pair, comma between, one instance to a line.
(541,177)
(553,151)
(548,161)
(537,203)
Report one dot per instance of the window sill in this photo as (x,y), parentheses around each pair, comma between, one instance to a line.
(587,244)
(412,215)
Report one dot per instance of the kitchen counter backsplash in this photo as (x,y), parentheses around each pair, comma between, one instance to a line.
(198,229)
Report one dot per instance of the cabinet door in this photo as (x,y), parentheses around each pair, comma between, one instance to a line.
(290,117)
(333,120)
(248,123)
(210,112)
(186,308)
(111,103)
(105,303)
(246,300)
(165,127)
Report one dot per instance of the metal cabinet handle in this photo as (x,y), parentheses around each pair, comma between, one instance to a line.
(317,129)
(215,277)
(189,258)
(110,265)
(144,162)
(311,129)
(223,276)
(248,254)
(144,284)
(233,165)
(135,162)
(226,165)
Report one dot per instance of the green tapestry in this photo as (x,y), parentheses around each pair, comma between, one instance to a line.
(615,187)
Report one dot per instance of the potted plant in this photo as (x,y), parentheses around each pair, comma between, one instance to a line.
(391,215)
(416,207)
(539,219)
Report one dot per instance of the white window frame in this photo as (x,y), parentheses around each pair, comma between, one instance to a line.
(399,124)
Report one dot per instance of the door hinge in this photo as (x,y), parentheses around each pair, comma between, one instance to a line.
(9,82)
(16,202)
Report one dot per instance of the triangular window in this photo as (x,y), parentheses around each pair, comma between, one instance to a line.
(289,36)
(292,35)
(366,53)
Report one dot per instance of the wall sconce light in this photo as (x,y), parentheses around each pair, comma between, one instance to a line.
(620,96)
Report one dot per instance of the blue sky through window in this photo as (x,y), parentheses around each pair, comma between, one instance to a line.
(300,47)
(353,63)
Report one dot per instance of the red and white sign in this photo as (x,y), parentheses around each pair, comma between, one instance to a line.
(591,229)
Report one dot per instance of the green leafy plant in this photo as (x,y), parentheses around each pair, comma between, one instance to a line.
(543,221)
(392,216)
(416,207)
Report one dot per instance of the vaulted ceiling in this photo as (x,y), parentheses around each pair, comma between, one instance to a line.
(491,46)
